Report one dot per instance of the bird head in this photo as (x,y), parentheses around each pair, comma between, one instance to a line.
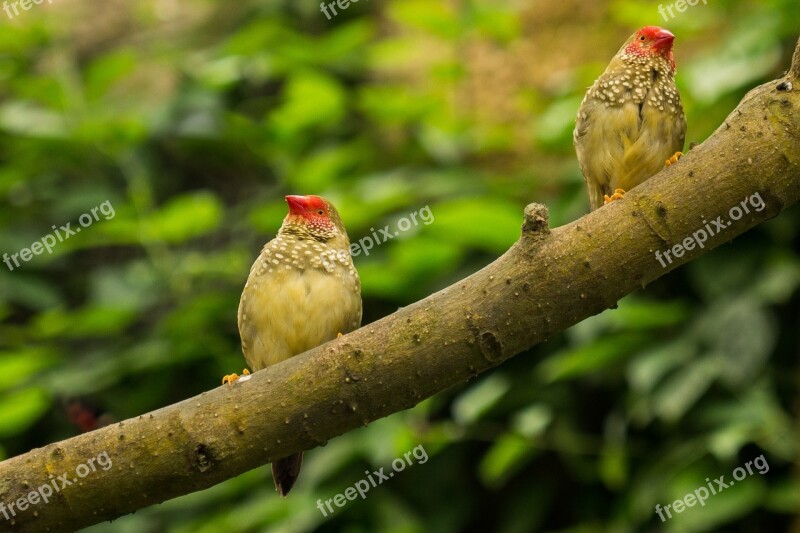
(651,42)
(315,217)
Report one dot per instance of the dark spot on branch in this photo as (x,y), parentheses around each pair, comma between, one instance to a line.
(202,458)
(784,86)
(491,348)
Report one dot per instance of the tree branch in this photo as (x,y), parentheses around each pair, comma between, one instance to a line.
(546,282)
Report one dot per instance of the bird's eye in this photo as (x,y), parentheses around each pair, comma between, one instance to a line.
(642,38)
(320,212)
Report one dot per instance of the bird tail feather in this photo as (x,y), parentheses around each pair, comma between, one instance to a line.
(285,472)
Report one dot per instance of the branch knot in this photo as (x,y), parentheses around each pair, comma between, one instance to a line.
(536,220)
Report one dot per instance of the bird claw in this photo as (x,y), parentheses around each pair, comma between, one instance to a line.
(618,193)
(674,159)
(230,379)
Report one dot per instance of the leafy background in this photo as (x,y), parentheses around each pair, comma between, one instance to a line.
(194,118)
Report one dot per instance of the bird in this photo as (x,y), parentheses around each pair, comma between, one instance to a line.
(303,291)
(630,123)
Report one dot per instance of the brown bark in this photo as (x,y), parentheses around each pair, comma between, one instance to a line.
(546,282)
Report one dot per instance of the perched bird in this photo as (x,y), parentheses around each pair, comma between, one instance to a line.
(303,291)
(631,122)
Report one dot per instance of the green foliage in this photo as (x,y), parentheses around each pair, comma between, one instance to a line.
(193,119)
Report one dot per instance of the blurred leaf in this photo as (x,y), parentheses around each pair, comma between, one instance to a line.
(508,454)
(647,370)
(483,224)
(436,19)
(532,421)
(108,69)
(590,358)
(740,335)
(20,366)
(311,99)
(681,390)
(19,410)
(89,321)
(478,399)
(745,57)
(183,218)
(26,119)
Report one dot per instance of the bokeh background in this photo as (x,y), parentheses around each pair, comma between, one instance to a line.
(194,118)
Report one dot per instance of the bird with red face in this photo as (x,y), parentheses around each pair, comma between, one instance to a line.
(303,291)
(631,122)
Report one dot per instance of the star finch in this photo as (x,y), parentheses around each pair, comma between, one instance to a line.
(631,120)
(303,291)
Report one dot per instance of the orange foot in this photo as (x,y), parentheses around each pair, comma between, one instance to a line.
(618,193)
(674,159)
(233,378)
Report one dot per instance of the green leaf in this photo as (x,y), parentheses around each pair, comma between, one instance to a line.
(20,410)
(480,398)
(90,321)
(588,359)
(438,19)
(108,69)
(25,119)
(682,390)
(484,224)
(311,99)
(183,218)
(20,366)
(509,453)
(532,421)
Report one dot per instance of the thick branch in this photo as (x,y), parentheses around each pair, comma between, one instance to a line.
(548,281)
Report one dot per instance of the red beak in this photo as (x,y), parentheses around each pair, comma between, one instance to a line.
(663,40)
(297,204)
